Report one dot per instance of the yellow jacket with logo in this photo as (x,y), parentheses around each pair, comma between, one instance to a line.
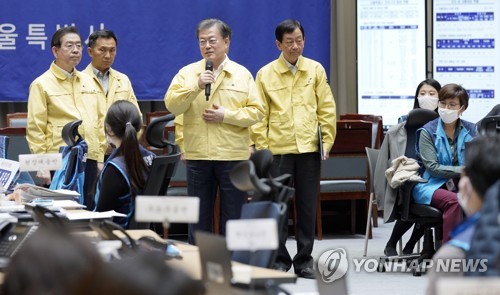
(119,87)
(234,90)
(55,100)
(294,105)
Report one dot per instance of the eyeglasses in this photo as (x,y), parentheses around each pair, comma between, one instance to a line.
(290,42)
(450,105)
(70,45)
(211,42)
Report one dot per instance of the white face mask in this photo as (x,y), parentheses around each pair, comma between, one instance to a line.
(428,102)
(448,116)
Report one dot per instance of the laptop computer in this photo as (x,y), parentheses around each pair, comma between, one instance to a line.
(215,258)
(337,287)
(12,237)
(218,273)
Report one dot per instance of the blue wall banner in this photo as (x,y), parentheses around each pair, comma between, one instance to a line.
(155,37)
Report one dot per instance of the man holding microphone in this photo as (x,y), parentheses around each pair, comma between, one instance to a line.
(217,107)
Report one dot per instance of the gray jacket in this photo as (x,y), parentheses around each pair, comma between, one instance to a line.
(393,146)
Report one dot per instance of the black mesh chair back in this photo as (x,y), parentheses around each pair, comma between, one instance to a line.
(269,199)
(416,119)
(155,133)
(489,125)
(163,166)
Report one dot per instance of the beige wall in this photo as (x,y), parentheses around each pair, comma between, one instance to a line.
(343,55)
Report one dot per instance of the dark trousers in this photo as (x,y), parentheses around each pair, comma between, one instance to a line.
(203,179)
(305,170)
(90,183)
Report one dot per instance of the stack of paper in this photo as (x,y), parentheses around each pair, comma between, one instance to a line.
(30,192)
(83,214)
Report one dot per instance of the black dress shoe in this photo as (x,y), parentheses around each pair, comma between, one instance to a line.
(407,251)
(390,251)
(306,273)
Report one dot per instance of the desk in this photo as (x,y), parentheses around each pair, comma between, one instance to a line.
(191,264)
(191,260)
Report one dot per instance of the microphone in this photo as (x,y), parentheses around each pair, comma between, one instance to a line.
(208,67)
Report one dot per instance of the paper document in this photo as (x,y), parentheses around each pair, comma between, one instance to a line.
(83,214)
(68,204)
(31,191)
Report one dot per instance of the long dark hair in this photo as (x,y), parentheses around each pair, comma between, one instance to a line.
(124,121)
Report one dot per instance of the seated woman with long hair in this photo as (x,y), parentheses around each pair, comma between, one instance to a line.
(127,168)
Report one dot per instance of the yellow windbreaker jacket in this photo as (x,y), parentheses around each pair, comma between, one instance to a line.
(119,88)
(55,100)
(294,105)
(234,90)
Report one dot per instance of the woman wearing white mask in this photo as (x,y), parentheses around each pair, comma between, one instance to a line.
(393,146)
(426,97)
(440,148)
(479,176)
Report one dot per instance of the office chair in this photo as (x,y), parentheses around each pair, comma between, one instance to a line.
(489,125)
(71,176)
(424,216)
(163,166)
(270,196)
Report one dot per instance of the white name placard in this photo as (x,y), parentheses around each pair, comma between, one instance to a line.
(170,209)
(252,234)
(468,285)
(35,162)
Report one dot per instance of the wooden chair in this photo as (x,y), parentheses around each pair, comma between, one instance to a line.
(345,175)
(377,127)
(16,120)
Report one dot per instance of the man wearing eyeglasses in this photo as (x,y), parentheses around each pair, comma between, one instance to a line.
(63,94)
(297,98)
(214,136)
